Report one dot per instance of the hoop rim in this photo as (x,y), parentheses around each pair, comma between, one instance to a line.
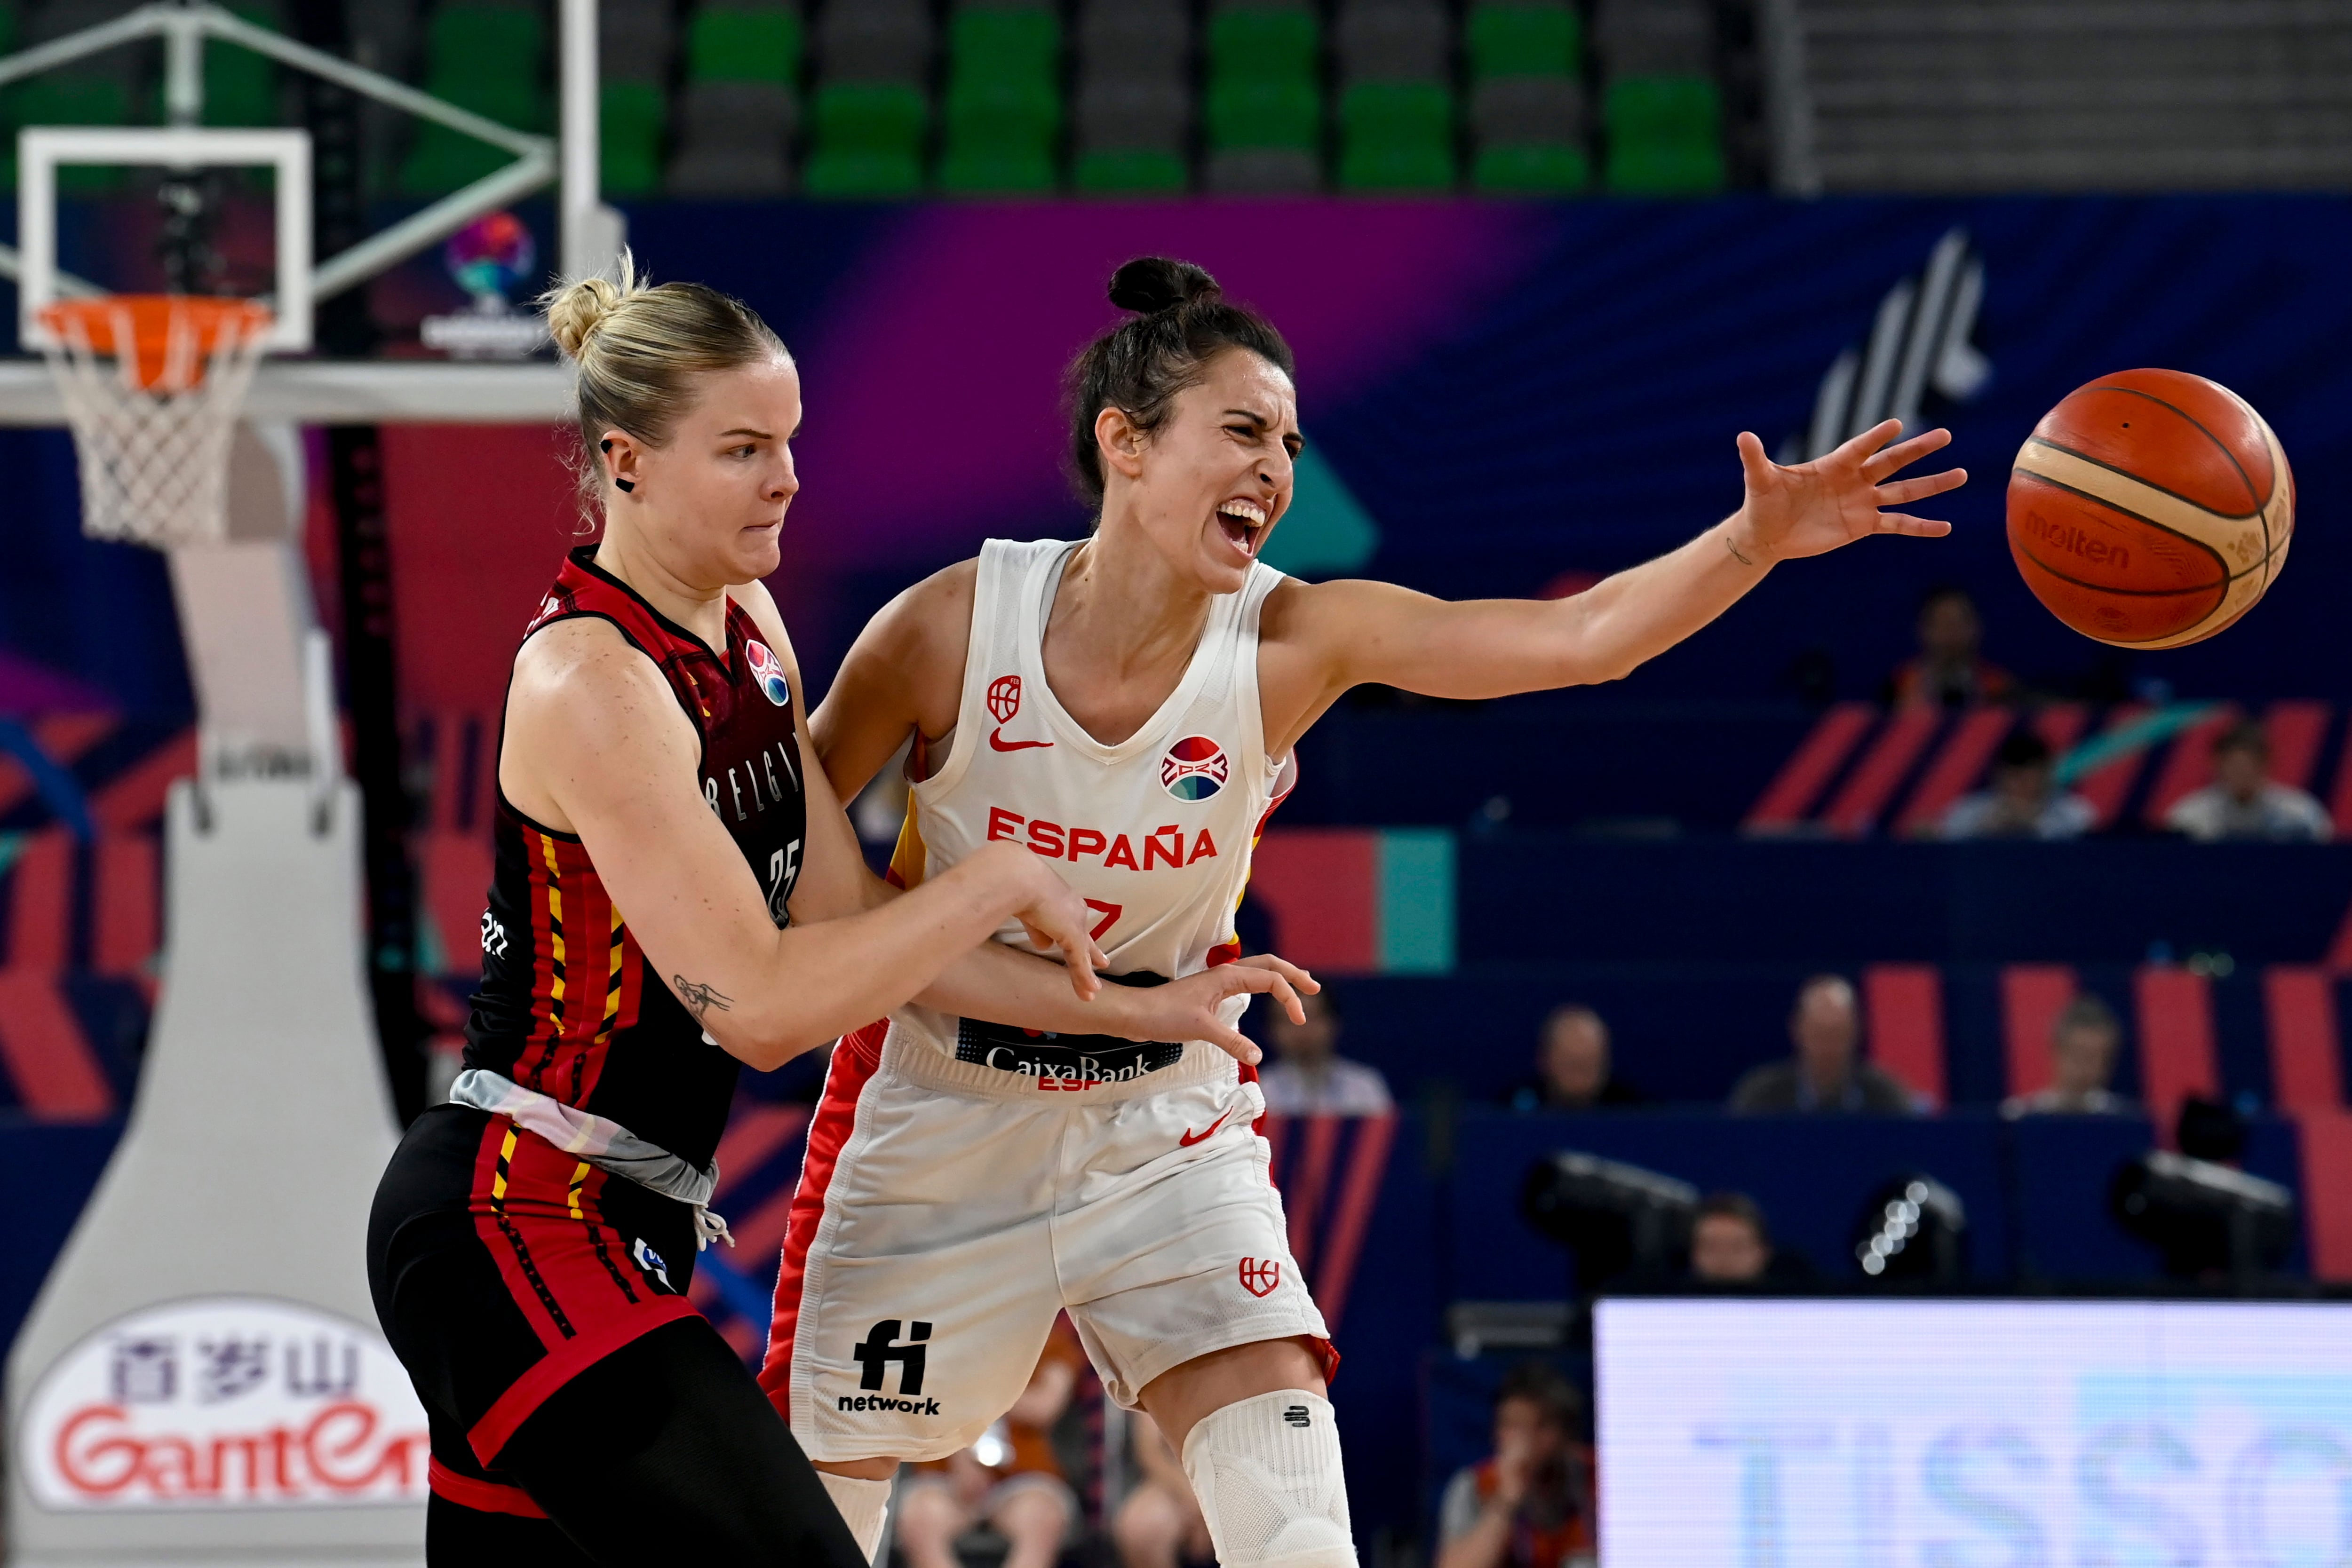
(172,336)
(151,316)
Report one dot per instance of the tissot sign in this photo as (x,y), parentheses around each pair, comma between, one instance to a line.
(221,1403)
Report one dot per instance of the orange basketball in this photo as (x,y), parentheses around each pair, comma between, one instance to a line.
(2151,508)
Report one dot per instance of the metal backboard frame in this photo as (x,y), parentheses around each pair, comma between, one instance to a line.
(368,391)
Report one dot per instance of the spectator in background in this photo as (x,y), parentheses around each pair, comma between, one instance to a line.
(1158,1524)
(2082,1045)
(1011,1477)
(2244,801)
(2024,802)
(1729,1242)
(1530,1506)
(1826,1074)
(1308,1076)
(1951,671)
(1573,1070)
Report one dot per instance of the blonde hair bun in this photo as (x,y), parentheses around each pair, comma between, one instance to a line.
(576,310)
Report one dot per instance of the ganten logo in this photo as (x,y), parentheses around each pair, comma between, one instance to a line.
(768,671)
(1193,769)
(651,1263)
(880,1349)
(1259,1277)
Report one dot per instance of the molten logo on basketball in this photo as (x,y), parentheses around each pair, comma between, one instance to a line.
(1260,1276)
(2075,541)
(1193,769)
(1005,697)
(769,671)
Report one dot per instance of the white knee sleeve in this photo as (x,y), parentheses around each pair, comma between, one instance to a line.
(1267,1472)
(864,1507)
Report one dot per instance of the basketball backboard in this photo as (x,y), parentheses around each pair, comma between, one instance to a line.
(288,386)
(41,150)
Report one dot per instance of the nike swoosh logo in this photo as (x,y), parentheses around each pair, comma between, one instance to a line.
(997,742)
(1191,1137)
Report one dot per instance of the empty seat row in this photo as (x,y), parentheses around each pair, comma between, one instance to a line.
(886,97)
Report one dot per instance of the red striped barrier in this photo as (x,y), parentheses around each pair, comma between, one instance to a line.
(2031,998)
(44,1049)
(1955,770)
(2177,1058)
(1905,1005)
(1789,797)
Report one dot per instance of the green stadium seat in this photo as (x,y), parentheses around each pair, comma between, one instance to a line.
(868,141)
(1530,171)
(1129,170)
(483,43)
(441,159)
(999,134)
(1265,41)
(61,97)
(241,86)
(1396,136)
(630,115)
(1505,39)
(1265,111)
(1010,40)
(1664,136)
(753,43)
(489,59)
(1001,114)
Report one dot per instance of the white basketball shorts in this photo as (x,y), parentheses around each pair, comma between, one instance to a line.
(947,1210)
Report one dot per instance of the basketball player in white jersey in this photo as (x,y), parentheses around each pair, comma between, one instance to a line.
(1126,706)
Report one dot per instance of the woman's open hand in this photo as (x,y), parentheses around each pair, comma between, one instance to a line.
(1810,509)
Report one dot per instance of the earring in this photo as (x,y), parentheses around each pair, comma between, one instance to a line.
(607,446)
(624,485)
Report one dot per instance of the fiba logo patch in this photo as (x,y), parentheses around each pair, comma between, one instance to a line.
(1005,697)
(1193,769)
(769,671)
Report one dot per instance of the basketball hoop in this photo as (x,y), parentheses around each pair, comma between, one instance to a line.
(153,431)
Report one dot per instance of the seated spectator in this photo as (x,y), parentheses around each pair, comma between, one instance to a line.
(1574,1070)
(1308,1077)
(2024,802)
(2244,801)
(1732,1247)
(1730,1244)
(2082,1045)
(1158,1523)
(1826,1075)
(1010,1478)
(1530,1506)
(1951,671)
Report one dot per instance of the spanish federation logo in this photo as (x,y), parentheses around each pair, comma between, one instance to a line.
(1193,769)
(768,670)
(1004,702)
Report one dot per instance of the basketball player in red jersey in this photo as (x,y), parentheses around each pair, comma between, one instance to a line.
(1127,706)
(651,762)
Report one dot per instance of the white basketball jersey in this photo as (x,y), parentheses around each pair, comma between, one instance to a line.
(1154,832)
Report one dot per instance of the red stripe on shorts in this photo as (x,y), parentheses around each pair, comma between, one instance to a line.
(481,1496)
(855,1062)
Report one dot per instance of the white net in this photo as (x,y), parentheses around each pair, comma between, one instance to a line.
(154,437)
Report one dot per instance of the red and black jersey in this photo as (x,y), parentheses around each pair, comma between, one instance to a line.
(568,1005)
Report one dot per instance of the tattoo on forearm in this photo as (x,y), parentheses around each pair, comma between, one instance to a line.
(699,997)
(1734,549)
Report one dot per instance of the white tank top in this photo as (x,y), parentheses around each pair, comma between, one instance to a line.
(1154,832)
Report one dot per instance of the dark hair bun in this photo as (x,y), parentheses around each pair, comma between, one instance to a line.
(1151,284)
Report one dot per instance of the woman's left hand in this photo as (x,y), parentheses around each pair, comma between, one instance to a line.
(1811,509)
(1188,1008)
